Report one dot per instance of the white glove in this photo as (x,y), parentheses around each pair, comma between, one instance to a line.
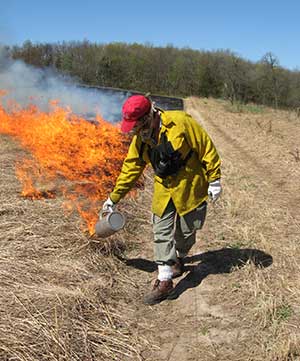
(108,205)
(214,189)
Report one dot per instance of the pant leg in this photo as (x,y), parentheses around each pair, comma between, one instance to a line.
(186,227)
(163,229)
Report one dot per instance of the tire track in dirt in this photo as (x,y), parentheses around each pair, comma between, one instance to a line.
(199,325)
(198,303)
(184,336)
(230,142)
(280,189)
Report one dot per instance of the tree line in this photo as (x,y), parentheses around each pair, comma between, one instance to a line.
(169,70)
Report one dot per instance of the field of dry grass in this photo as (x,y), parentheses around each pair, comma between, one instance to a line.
(65,296)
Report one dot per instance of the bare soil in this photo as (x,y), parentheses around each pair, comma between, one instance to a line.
(65,296)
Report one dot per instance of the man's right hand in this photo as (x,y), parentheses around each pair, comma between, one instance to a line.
(108,205)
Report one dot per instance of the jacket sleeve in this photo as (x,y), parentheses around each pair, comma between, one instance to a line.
(131,170)
(201,143)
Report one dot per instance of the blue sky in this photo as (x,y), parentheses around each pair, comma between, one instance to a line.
(248,28)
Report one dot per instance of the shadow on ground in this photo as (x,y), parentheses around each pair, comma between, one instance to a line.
(199,266)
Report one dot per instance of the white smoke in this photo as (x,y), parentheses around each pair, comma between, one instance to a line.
(26,85)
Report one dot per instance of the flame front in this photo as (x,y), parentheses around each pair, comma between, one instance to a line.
(69,156)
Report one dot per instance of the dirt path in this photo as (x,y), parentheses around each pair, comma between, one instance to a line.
(220,314)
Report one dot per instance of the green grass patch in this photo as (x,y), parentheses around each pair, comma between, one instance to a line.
(236,245)
(284,312)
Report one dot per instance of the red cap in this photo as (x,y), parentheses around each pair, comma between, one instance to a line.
(133,109)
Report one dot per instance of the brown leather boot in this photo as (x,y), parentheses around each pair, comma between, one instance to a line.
(178,268)
(160,292)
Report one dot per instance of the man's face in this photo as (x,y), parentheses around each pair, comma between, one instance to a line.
(142,126)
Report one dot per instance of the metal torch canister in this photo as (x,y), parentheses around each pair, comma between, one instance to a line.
(109,223)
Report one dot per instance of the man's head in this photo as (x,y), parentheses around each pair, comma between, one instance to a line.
(135,112)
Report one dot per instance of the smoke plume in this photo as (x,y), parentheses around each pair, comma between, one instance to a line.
(26,85)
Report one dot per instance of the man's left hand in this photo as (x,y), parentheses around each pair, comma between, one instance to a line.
(214,189)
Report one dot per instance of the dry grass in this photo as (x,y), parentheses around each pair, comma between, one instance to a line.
(259,210)
(63,295)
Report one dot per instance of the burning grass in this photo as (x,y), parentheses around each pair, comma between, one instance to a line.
(68,156)
(63,296)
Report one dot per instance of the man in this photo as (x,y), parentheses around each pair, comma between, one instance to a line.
(187,171)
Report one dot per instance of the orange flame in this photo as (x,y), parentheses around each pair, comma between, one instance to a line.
(69,156)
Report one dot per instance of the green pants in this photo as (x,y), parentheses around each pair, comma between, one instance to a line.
(174,236)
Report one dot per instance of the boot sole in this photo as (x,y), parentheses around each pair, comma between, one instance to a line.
(157,300)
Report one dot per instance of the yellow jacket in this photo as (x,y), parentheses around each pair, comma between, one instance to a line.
(188,188)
